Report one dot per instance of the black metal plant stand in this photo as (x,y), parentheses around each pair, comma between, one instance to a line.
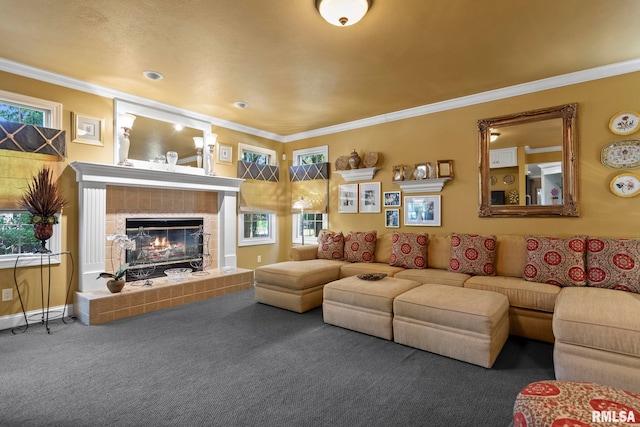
(44,315)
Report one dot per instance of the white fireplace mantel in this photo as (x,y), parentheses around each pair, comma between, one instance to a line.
(93,179)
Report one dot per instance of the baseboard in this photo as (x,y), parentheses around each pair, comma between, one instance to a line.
(34,316)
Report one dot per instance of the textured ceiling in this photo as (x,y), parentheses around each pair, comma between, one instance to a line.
(298,73)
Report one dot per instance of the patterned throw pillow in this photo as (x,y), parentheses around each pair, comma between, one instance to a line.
(330,245)
(360,246)
(556,261)
(613,264)
(473,254)
(409,250)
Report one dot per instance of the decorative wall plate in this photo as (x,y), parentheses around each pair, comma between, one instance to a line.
(625,185)
(493,180)
(508,179)
(370,159)
(624,123)
(341,163)
(622,154)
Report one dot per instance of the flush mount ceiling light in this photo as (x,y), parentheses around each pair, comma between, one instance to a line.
(342,13)
(240,104)
(153,75)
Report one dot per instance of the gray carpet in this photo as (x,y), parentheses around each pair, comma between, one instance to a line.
(229,361)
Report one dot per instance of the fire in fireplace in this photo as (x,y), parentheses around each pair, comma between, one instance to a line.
(163,243)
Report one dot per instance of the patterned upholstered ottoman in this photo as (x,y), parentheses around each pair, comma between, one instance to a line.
(574,404)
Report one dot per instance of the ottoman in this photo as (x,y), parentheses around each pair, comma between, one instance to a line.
(466,324)
(295,285)
(567,403)
(597,337)
(362,305)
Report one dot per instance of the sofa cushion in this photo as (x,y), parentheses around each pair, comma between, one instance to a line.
(511,254)
(360,246)
(330,245)
(473,254)
(383,248)
(409,250)
(434,276)
(613,263)
(556,261)
(299,274)
(355,268)
(521,293)
(439,251)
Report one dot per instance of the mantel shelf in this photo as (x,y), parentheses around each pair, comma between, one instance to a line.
(358,174)
(422,185)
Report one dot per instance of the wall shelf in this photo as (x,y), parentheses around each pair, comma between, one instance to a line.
(422,185)
(358,174)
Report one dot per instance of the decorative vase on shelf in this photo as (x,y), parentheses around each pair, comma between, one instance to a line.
(115,286)
(354,159)
(172,159)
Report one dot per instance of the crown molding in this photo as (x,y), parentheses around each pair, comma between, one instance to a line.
(577,77)
(71,83)
(479,98)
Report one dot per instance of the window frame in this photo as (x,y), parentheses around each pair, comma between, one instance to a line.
(273,226)
(52,119)
(296,218)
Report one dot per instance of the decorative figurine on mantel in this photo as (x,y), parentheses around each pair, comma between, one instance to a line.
(354,159)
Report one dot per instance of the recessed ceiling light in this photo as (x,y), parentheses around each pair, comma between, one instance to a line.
(178,127)
(240,104)
(153,75)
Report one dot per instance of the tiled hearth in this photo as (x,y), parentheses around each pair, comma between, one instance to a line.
(97,307)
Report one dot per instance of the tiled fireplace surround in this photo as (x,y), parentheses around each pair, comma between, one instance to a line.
(109,194)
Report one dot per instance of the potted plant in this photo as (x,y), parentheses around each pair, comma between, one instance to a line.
(554,195)
(116,280)
(43,201)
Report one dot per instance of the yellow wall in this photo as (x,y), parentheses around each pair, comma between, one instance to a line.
(445,135)
(453,135)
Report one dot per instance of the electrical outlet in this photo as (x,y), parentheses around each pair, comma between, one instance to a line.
(259,258)
(7,294)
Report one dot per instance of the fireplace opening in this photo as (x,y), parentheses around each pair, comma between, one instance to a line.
(161,244)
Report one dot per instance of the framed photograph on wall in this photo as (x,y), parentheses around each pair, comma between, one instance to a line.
(392,218)
(225,153)
(370,197)
(391,199)
(87,130)
(348,198)
(422,211)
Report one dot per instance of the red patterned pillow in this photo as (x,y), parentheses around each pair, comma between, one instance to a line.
(614,264)
(473,254)
(556,261)
(360,246)
(409,250)
(330,245)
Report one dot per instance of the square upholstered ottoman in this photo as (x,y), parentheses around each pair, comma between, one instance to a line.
(465,324)
(295,285)
(362,305)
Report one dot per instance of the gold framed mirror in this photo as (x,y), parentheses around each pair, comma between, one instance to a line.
(528,163)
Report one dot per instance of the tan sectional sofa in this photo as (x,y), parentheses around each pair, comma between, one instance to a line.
(596,331)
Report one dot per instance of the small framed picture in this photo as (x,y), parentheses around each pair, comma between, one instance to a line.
(391,199)
(398,173)
(370,197)
(87,130)
(422,211)
(445,169)
(421,171)
(225,153)
(348,198)
(392,218)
